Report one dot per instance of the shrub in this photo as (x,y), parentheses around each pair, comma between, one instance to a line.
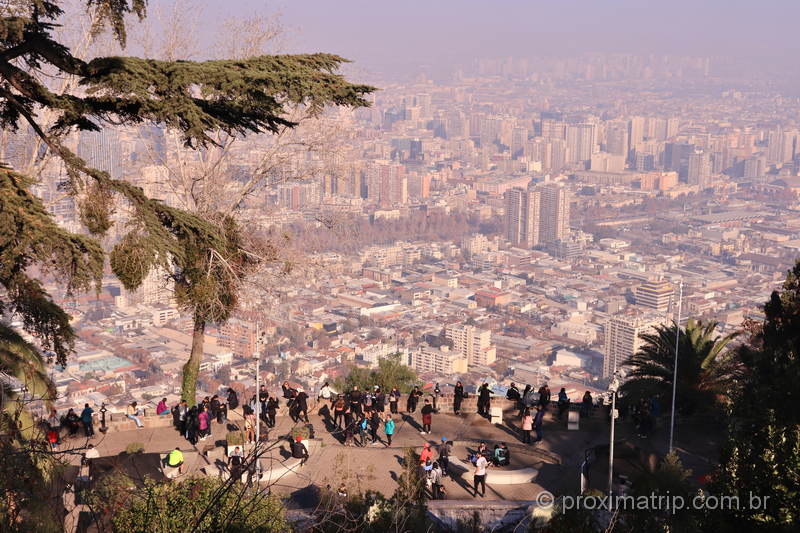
(134,447)
(234,438)
(301,431)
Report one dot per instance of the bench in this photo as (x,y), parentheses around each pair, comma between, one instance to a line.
(496,475)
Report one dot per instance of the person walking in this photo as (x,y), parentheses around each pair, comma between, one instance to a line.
(133,414)
(444,455)
(484,400)
(479,477)
(527,426)
(427,417)
(413,398)
(537,423)
(394,398)
(458,397)
(87,420)
(436,481)
(388,428)
(301,405)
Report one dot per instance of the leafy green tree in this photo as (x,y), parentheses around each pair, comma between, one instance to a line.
(206,255)
(704,367)
(200,505)
(761,458)
(391,372)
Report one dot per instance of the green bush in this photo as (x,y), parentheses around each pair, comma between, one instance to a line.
(234,438)
(301,431)
(134,447)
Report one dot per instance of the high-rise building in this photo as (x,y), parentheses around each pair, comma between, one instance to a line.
(655,295)
(623,339)
(440,360)
(522,217)
(580,143)
(474,344)
(699,169)
(636,132)
(101,150)
(617,139)
(553,213)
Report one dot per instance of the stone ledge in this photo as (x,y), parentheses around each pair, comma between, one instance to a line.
(497,476)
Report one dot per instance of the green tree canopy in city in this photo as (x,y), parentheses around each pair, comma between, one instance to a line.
(206,255)
(391,372)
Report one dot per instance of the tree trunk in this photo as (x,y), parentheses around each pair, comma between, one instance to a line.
(192,366)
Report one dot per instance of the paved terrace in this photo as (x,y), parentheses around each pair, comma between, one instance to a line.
(556,459)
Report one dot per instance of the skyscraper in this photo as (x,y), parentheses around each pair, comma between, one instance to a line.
(655,295)
(472,343)
(699,169)
(522,217)
(553,213)
(623,339)
(580,143)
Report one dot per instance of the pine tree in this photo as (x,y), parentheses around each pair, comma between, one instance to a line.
(762,454)
(205,255)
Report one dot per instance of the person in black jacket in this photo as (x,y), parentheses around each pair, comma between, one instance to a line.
(301,405)
(299,450)
(375,422)
(263,396)
(458,397)
(394,398)
(355,397)
(413,398)
(272,408)
(427,417)
(233,400)
(484,400)
(380,400)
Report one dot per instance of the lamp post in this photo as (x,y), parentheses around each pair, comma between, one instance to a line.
(612,388)
(258,402)
(675,364)
(103,411)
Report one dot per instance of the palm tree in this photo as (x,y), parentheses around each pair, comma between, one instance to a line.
(704,366)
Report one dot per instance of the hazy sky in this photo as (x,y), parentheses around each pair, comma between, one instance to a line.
(388,32)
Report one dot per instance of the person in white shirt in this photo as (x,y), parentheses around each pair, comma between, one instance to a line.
(480,476)
(326,393)
(91,452)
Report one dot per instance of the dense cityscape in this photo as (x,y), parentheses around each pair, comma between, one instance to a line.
(506,223)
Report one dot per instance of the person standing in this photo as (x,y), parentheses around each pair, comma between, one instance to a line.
(203,423)
(87,420)
(388,428)
(426,454)
(236,463)
(374,426)
(479,478)
(380,400)
(181,412)
(544,396)
(301,405)
(586,404)
(233,399)
(427,417)
(325,395)
(394,398)
(527,426)
(250,426)
(444,455)
(413,398)
(338,411)
(563,403)
(458,397)
(263,398)
(537,423)
(484,400)
(355,398)
(272,409)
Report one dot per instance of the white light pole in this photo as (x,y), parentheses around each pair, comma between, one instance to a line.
(258,402)
(675,364)
(612,388)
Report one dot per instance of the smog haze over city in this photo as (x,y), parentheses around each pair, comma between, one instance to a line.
(559,237)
